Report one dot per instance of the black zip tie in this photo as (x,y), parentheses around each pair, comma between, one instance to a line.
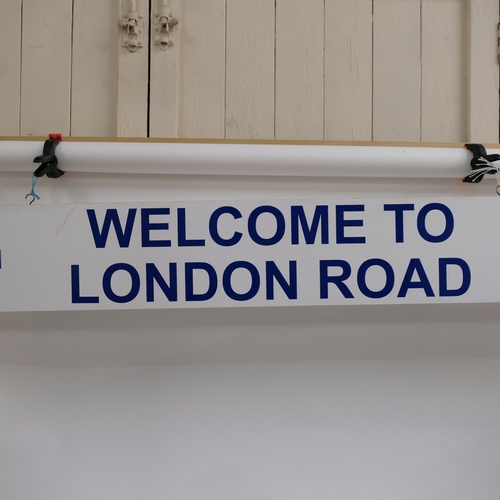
(481,163)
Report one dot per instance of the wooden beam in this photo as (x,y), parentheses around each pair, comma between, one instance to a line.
(46,67)
(396,70)
(10,67)
(483,71)
(132,111)
(95,69)
(299,69)
(250,69)
(348,69)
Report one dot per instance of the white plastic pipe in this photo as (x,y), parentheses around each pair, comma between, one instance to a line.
(243,159)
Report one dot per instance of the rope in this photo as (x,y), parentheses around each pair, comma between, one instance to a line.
(32,192)
(34,180)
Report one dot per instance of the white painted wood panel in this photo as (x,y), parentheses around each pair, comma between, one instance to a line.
(46,67)
(396,70)
(299,69)
(256,70)
(482,70)
(443,70)
(133,69)
(164,74)
(348,70)
(10,67)
(250,69)
(95,69)
(201,93)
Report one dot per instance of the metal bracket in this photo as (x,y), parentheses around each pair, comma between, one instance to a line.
(165,22)
(132,28)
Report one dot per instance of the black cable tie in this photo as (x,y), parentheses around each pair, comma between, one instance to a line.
(480,163)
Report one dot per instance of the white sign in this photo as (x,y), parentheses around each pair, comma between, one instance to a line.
(249,253)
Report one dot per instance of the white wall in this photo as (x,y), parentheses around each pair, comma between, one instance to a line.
(349,402)
(424,429)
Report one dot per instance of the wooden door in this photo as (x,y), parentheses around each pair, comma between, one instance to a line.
(395,70)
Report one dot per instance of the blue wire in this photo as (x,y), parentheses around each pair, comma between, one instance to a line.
(33,184)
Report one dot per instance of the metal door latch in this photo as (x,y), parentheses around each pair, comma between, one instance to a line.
(132,28)
(165,22)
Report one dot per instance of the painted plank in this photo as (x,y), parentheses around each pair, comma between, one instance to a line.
(132,110)
(10,68)
(299,69)
(443,70)
(348,70)
(250,69)
(164,72)
(482,68)
(46,67)
(396,70)
(201,68)
(95,68)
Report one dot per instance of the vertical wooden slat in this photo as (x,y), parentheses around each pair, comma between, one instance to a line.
(299,69)
(95,68)
(443,71)
(10,67)
(396,70)
(164,77)
(250,69)
(348,70)
(46,67)
(132,111)
(482,69)
(202,31)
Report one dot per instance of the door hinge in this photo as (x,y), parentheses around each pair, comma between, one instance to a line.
(132,26)
(165,22)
